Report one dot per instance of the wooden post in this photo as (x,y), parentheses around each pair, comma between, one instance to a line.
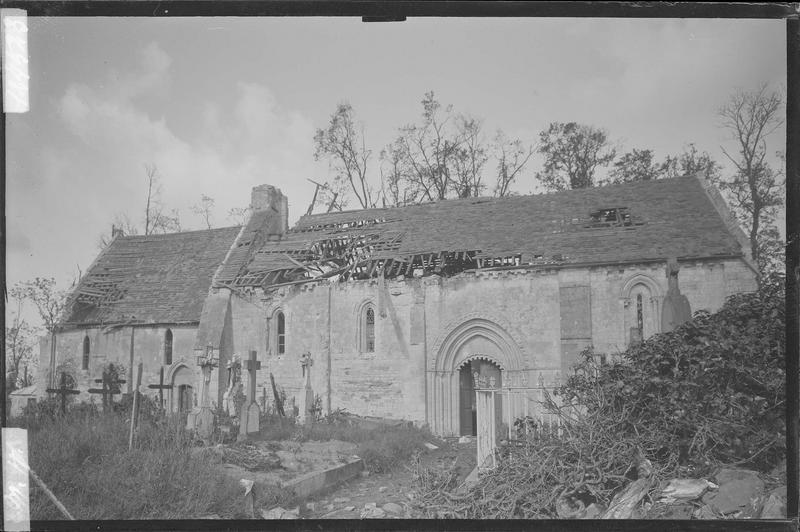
(135,411)
(278,402)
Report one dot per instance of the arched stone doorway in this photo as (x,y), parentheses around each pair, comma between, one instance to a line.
(182,392)
(474,339)
(487,369)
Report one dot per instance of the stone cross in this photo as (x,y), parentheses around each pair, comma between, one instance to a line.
(63,391)
(160,387)
(306,362)
(307,396)
(252,365)
(249,422)
(675,309)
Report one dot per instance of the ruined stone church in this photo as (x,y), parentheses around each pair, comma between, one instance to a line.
(403,310)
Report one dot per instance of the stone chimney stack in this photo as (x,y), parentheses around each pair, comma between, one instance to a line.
(271,199)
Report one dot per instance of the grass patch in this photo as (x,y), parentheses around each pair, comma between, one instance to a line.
(84,459)
(383,448)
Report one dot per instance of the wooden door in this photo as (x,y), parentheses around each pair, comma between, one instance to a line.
(184,398)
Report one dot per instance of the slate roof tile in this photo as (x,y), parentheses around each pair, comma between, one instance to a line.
(151,279)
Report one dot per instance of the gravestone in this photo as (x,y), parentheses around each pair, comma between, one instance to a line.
(307,395)
(250,412)
(201,419)
(676,309)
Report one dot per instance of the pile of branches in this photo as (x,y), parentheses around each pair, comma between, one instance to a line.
(710,393)
(548,475)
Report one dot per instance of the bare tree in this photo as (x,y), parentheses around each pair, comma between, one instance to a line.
(755,188)
(572,152)
(238,214)
(343,145)
(690,162)
(20,341)
(442,156)
(512,156)
(204,209)
(469,158)
(156,218)
(50,302)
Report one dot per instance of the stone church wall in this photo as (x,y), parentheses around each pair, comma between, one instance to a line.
(114,346)
(552,315)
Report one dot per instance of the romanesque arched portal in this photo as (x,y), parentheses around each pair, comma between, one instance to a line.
(468,340)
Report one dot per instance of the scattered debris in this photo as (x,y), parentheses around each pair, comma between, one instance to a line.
(393,508)
(738,489)
(281,513)
(775,505)
(371,511)
(685,489)
(624,503)
(430,446)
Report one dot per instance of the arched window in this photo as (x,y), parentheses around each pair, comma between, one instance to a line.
(168,347)
(369,329)
(281,328)
(641,319)
(366,329)
(86,352)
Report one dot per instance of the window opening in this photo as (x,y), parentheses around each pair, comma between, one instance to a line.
(615,216)
(281,333)
(639,314)
(369,329)
(86,351)
(168,347)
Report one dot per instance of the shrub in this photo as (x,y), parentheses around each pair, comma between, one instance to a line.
(711,392)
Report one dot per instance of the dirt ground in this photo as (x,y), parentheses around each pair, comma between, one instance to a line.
(353,498)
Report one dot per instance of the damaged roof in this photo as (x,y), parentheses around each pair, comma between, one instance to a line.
(640,221)
(150,279)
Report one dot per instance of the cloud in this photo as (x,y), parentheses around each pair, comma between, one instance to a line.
(251,140)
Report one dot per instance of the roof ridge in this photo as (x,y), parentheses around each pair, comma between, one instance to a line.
(473,199)
(162,235)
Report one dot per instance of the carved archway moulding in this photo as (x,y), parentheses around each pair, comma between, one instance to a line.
(478,357)
(640,278)
(173,370)
(510,352)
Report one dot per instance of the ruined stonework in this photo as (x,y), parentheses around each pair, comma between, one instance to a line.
(398,307)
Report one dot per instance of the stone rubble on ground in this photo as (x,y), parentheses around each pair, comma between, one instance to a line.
(685,489)
(737,494)
(371,511)
(393,508)
(281,513)
(738,490)
(775,505)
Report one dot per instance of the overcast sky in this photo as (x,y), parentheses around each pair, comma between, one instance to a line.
(223,104)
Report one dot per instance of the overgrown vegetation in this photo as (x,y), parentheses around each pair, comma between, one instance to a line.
(83,458)
(710,393)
